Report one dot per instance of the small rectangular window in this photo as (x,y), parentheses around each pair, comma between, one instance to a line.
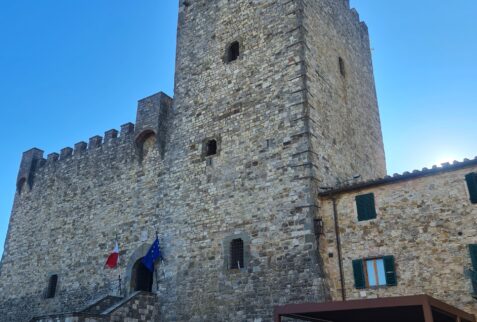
(211,148)
(342,67)
(366,207)
(374,272)
(471,179)
(52,284)
(236,254)
(233,52)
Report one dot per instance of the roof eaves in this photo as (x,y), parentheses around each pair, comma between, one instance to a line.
(445,167)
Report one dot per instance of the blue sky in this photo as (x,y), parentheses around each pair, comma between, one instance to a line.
(72,69)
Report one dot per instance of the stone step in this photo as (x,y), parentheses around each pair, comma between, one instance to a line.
(139,306)
(102,304)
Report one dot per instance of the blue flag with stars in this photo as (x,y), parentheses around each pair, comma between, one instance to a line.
(152,255)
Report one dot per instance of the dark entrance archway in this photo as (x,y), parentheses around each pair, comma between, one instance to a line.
(141,278)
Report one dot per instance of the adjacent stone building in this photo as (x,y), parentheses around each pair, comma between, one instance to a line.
(274,101)
(404,235)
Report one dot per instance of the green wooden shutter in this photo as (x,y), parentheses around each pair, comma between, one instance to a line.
(358,270)
(473,256)
(390,270)
(471,179)
(366,207)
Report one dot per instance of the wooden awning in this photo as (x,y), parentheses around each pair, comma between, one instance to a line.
(419,308)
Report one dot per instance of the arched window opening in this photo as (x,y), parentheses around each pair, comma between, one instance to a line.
(142,278)
(233,52)
(52,284)
(21,185)
(149,144)
(211,148)
(236,254)
(342,67)
(146,142)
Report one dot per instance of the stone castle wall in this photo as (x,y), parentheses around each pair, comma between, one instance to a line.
(275,147)
(66,220)
(426,223)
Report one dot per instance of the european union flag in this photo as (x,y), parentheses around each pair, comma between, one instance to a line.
(152,255)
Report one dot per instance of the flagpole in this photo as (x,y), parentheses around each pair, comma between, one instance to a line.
(155,271)
(117,242)
(157,281)
(119,280)
(113,263)
(117,265)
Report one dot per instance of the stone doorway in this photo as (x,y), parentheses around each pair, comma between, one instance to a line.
(141,278)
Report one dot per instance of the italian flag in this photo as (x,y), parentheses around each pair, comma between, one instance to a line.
(112,260)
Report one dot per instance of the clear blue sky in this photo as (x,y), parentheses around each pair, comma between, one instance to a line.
(72,69)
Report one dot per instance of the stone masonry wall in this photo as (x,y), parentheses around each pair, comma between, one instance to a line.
(426,223)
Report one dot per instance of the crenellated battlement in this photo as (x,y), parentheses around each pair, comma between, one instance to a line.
(152,115)
(96,142)
(352,11)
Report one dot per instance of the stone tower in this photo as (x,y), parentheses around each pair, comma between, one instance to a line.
(295,111)
(273,100)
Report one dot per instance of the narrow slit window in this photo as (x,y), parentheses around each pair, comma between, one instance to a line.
(342,66)
(211,148)
(236,254)
(52,284)
(233,52)
(21,185)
